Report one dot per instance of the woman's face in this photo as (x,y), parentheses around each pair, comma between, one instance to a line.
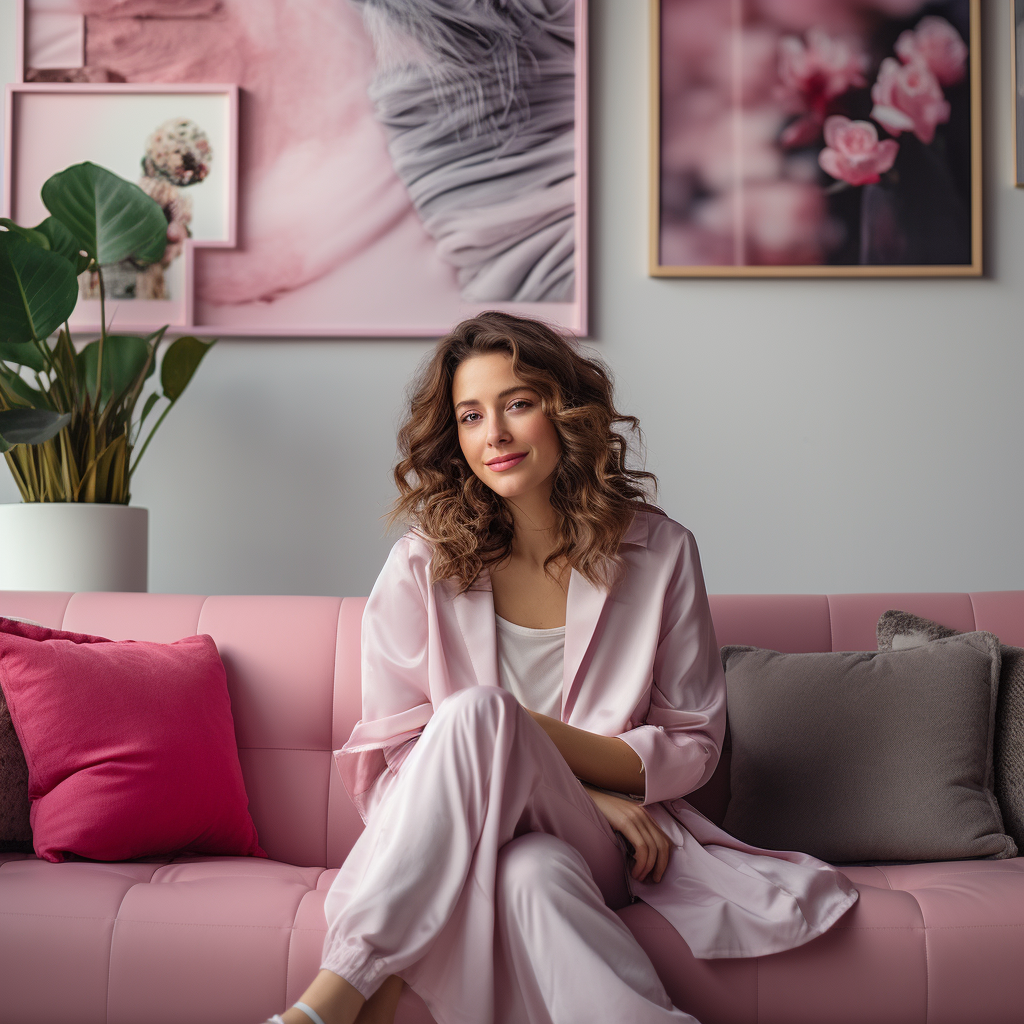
(507,440)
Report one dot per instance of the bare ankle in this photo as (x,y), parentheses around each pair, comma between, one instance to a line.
(381,1006)
(331,997)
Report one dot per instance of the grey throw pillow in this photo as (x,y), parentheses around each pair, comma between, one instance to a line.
(866,755)
(899,630)
(15,831)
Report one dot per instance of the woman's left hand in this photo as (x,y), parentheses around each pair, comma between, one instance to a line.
(651,847)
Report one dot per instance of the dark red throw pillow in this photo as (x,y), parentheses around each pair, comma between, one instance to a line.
(130,745)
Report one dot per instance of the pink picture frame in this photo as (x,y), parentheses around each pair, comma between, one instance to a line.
(50,126)
(397,285)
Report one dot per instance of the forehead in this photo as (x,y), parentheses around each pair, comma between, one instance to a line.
(483,375)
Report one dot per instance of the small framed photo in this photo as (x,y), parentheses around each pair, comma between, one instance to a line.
(815,139)
(178,143)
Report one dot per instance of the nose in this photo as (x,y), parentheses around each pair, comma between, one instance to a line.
(498,432)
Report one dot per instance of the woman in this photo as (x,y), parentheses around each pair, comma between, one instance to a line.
(541,688)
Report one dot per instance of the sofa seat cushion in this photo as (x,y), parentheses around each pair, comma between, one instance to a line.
(154,940)
(239,938)
(936,942)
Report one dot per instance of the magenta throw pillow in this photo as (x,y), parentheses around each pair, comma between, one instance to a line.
(130,745)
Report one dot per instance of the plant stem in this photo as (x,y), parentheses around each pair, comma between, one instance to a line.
(103,337)
(149,437)
(44,351)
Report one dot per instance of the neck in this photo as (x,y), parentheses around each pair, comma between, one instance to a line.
(536,533)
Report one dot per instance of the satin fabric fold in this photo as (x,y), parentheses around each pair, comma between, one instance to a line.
(641,663)
(441,889)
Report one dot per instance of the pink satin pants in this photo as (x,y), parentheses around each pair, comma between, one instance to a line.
(487,879)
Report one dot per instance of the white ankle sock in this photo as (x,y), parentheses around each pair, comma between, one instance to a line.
(310,1013)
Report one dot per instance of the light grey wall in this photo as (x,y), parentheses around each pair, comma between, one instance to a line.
(817,436)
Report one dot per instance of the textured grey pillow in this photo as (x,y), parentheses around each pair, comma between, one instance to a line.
(15,831)
(866,755)
(899,630)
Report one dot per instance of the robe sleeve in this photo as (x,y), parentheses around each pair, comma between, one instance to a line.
(394,670)
(681,738)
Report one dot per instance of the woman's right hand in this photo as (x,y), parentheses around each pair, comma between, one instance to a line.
(651,847)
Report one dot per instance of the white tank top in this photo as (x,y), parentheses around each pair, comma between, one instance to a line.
(531,663)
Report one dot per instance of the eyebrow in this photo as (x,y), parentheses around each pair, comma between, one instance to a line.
(502,394)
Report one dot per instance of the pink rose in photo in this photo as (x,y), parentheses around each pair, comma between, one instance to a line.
(939,46)
(820,69)
(854,153)
(908,98)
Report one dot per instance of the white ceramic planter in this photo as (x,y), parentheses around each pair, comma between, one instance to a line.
(73,546)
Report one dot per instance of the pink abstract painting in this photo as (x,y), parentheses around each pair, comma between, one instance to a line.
(401,163)
(816,137)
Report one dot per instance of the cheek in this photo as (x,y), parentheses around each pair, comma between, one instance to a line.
(547,441)
(470,448)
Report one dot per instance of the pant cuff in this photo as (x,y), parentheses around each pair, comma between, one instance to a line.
(363,973)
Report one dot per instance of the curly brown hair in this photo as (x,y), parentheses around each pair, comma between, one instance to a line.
(594,494)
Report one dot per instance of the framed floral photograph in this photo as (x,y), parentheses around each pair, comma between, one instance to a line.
(828,138)
(403,164)
(179,143)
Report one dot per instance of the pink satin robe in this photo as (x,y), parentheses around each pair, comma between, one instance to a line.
(641,663)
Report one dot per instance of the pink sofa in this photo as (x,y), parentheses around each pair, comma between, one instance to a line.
(223,940)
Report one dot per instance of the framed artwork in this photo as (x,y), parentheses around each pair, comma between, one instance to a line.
(399,166)
(815,138)
(139,133)
(1017,52)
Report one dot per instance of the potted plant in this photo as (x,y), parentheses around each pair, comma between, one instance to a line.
(73,417)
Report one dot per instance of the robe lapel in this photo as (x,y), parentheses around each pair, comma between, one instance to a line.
(584,604)
(474,610)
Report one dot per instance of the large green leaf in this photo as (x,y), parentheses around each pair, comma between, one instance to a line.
(33,235)
(38,290)
(62,241)
(181,360)
(111,218)
(124,356)
(22,354)
(29,426)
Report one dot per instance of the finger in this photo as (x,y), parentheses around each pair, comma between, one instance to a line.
(645,856)
(654,846)
(639,849)
(658,845)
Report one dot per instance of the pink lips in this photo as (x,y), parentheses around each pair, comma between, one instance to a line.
(512,460)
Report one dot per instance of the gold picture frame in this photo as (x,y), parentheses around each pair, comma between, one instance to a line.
(1017,75)
(930,241)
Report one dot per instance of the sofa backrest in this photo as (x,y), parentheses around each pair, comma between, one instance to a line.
(293,674)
